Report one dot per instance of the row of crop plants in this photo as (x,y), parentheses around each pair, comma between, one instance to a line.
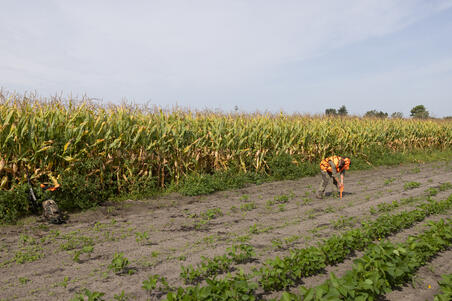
(383,267)
(245,286)
(283,273)
(446,288)
(222,263)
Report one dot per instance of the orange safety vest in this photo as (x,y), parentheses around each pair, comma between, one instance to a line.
(325,165)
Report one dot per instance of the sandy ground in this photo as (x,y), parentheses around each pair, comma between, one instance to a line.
(159,235)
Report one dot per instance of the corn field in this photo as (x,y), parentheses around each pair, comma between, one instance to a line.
(132,145)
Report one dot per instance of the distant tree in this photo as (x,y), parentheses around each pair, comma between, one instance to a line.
(330,112)
(419,112)
(447,117)
(342,111)
(376,114)
(397,115)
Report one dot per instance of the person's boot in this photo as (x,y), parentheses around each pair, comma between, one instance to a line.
(320,194)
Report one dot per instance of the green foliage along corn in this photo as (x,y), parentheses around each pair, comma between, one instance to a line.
(129,145)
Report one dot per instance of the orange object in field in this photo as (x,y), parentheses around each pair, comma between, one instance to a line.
(341,188)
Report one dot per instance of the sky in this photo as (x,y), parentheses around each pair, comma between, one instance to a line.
(292,56)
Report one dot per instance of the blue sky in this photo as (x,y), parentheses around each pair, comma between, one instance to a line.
(295,56)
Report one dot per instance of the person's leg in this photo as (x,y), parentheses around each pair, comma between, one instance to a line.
(335,183)
(323,184)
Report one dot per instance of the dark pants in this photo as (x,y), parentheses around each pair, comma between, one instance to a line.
(326,177)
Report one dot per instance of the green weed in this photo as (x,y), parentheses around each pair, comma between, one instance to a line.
(389,181)
(411,185)
(142,237)
(119,264)
(24,280)
(445,186)
(248,206)
(92,296)
(282,198)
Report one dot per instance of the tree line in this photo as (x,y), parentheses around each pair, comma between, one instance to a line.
(418,111)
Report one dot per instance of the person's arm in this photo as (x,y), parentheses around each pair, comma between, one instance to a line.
(334,170)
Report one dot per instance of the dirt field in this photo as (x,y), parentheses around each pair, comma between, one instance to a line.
(158,236)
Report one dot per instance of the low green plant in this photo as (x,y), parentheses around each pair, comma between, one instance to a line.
(445,286)
(121,297)
(257,229)
(383,267)
(244,197)
(119,264)
(432,191)
(92,296)
(142,237)
(234,209)
(248,206)
(445,186)
(389,181)
(65,282)
(211,213)
(329,209)
(243,238)
(206,216)
(310,213)
(386,207)
(277,243)
(28,254)
(411,185)
(75,241)
(415,170)
(156,283)
(23,280)
(242,253)
(344,222)
(307,201)
(269,204)
(98,227)
(236,287)
(85,250)
(208,267)
(372,210)
(281,198)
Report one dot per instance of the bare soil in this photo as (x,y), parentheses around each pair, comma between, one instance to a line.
(159,235)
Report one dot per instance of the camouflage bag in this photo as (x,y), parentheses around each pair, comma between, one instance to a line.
(52,213)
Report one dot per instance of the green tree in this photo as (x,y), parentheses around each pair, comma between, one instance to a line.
(419,111)
(376,114)
(342,111)
(397,115)
(330,112)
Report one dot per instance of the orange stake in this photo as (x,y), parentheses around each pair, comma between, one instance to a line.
(341,188)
